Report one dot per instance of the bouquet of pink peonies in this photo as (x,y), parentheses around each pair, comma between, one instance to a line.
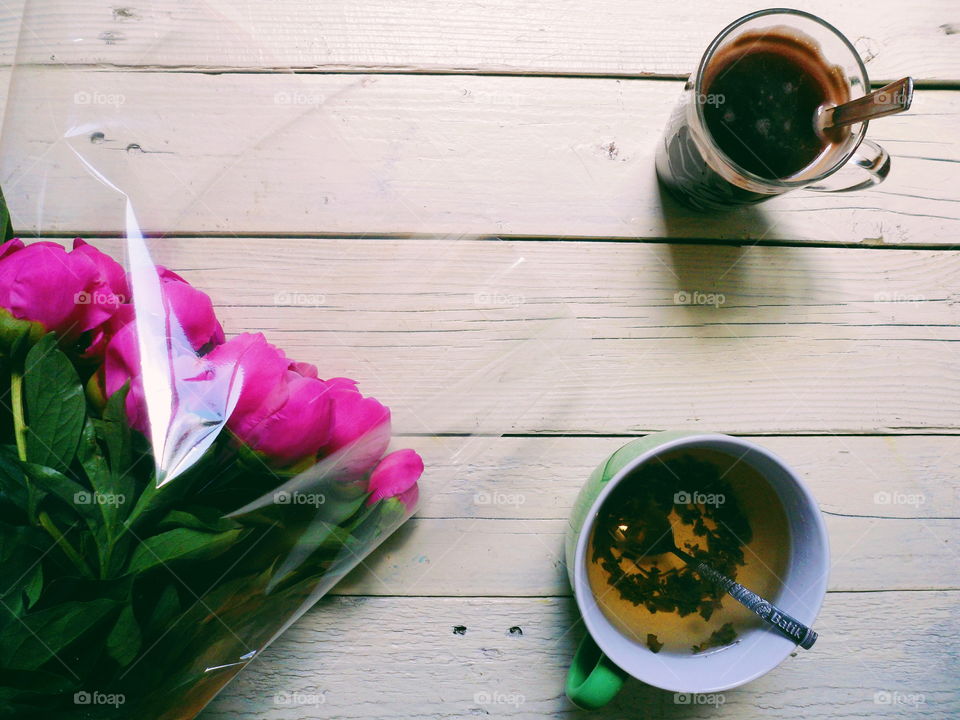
(170,500)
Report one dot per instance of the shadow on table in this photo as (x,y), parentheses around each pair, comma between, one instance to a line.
(729,274)
(746,224)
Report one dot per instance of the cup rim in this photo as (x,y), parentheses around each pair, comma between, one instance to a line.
(581,586)
(701,118)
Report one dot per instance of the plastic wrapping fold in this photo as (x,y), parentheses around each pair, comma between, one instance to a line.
(176,490)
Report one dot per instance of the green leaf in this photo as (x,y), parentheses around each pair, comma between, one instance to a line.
(55,405)
(12,482)
(42,635)
(82,501)
(16,334)
(116,429)
(34,585)
(97,470)
(123,642)
(40,682)
(198,517)
(166,609)
(6,226)
(179,544)
(153,500)
(21,549)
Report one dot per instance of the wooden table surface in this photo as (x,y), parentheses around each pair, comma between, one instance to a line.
(454,202)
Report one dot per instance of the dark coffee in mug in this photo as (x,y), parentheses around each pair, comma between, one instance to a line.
(744,129)
(766,89)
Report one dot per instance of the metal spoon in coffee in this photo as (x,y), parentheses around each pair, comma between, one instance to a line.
(894,98)
(635,544)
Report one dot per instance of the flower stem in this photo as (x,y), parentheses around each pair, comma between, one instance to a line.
(67,548)
(19,421)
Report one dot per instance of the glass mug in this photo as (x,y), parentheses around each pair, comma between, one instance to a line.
(695,169)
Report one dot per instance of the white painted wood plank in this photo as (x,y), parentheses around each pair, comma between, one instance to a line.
(807,340)
(494,510)
(368,154)
(494,557)
(610,37)
(399,658)
(526,478)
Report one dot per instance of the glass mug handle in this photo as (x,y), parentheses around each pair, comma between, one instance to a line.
(593,679)
(869,166)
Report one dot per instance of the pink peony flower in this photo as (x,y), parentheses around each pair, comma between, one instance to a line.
(118,338)
(69,293)
(110,269)
(299,428)
(193,309)
(361,430)
(263,367)
(121,363)
(284,411)
(396,477)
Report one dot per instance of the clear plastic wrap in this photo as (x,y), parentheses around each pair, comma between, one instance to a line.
(205,489)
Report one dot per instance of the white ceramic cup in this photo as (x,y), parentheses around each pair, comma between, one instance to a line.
(759,649)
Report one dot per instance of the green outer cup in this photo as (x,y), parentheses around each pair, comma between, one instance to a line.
(600,477)
(595,677)
(593,680)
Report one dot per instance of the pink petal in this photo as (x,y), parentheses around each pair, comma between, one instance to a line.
(395,476)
